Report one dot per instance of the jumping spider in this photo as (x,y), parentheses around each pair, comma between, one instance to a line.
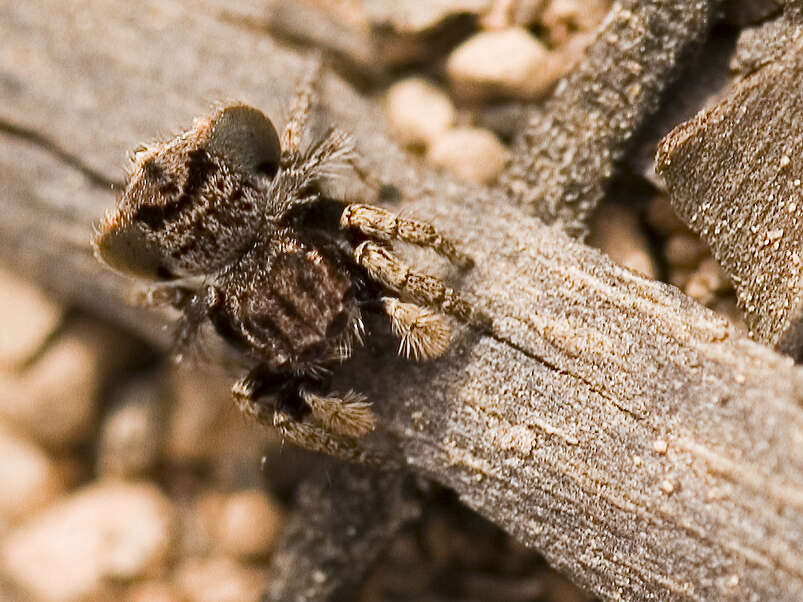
(232,222)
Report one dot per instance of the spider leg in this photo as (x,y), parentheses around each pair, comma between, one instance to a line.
(348,415)
(422,332)
(329,156)
(382,224)
(161,294)
(248,390)
(324,159)
(306,94)
(316,438)
(195,306)
(331,424)
(389,270)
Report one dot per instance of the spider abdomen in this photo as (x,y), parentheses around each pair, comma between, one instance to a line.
(291,303)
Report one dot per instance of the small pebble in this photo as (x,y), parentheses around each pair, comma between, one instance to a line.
(509,62)
(219,580)
(505,13)
(564,19)
(55,400)
(29,317)
(473,154)
(706,281)
(154,591)
(247,524)
(418,111)
(616,231)
(685,250)
(660,446)
(662,218)
(679,276)
(198,404)
(406,18)
(29,478)
(130,434)
(109,531)
(667,486)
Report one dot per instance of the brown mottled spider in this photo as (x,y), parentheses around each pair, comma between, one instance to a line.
(233,223)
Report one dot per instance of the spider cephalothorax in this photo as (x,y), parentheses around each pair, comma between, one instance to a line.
(231,221)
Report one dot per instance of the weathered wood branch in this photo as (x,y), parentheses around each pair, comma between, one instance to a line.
(548,426)
(569,151)
(345,517)
(734,175)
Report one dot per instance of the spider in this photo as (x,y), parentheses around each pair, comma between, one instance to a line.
(232,223)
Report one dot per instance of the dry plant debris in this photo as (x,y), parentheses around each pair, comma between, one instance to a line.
(565,158)
(735,176)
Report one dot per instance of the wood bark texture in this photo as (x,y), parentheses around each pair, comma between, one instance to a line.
(568,153)
(344,518)
(735,176)
(634,437)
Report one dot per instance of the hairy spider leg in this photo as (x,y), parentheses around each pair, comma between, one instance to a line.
(388,269)
(382,224)
(306,95)
(341,420)
(423,333)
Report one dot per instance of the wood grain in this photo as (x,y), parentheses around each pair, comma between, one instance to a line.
(570,149)
(734,175)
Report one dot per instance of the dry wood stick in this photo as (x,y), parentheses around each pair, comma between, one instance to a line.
(562,163)
(734,175)
(344,518)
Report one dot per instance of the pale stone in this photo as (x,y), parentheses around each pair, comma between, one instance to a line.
(418,111)
(109,531)
(473,154)
(219,580)
(247,524)
(505,13)
(154,591)
(685,250)
(565,19)
(27,318)
(130,434)
(415,16)
(510,61)
(29,478)
(706,281)
(616,231)
(55,399)
(198,405)
(662,218)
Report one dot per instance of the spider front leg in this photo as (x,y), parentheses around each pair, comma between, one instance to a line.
(422,332)
(173,294)
(386,268)
(382,224)
(325,423)
(196,306)
(306,95)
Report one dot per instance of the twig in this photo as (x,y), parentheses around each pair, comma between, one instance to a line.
(344,518)
(569,151)
(734,174)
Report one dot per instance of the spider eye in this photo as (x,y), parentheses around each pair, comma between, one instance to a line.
(247,139)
